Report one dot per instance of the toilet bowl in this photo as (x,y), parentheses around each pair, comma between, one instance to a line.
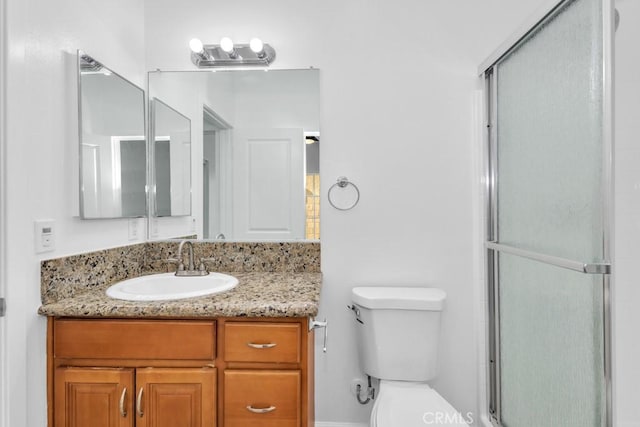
(397,334)
(409,404)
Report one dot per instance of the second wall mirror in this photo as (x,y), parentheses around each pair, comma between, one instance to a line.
(255,139)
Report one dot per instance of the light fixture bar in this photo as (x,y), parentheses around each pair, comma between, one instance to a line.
(241,56)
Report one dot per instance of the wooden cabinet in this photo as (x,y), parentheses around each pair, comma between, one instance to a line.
(94,397)
(262,342)
(175,397)
(264,381)
(262,398)
(172,397)
(180,373)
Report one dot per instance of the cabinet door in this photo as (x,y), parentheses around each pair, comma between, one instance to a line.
(92,397)
(179,397)
(261,398)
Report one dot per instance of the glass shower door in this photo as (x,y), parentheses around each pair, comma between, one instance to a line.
(548,244)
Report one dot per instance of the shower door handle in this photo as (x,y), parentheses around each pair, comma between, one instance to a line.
(581,267)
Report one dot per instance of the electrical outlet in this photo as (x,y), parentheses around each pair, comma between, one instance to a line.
(134,227)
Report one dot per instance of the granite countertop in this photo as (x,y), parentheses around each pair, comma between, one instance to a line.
(258,294)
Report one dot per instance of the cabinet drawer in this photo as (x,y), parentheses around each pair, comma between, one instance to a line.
(262,342)
(134,339)
(261,398)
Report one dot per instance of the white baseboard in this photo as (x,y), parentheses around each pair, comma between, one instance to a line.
(332,424)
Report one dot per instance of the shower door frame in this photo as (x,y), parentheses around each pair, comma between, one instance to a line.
(489,73)
(4,340)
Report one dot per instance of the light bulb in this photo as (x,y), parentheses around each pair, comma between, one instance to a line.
(256,45)
(226,44)
(196,45)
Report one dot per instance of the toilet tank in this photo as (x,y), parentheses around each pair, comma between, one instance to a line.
(397,331)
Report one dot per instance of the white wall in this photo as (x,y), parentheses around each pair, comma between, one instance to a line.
(626,292)
(397,87)
(277,100)
(42,145)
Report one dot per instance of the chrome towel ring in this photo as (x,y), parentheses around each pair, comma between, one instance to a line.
(343,182)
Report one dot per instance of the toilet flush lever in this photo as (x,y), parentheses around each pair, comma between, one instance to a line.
(356,311)
(316,324)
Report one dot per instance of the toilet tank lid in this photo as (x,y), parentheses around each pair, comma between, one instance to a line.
(399,298)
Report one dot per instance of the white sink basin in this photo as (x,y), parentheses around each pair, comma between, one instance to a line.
(166,286)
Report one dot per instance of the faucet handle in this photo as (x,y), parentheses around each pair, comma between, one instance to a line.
(203,261)
(174,261)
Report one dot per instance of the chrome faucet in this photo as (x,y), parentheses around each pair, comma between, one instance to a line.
(180,257)
(190,269)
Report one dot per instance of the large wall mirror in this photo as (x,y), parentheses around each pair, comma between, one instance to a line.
(113,151)
(256,138)
(171,154)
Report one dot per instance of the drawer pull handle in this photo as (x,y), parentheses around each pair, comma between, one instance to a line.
(261,410)
(254,345)
(139,403)
(123,396)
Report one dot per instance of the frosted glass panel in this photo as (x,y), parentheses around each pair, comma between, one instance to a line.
(551,345)
(549,137)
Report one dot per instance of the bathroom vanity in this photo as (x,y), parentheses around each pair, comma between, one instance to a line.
(228,371)
(243,357)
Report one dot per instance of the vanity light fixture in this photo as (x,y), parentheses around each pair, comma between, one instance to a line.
(228,54)
(257,47)
(226,44)
(197,49)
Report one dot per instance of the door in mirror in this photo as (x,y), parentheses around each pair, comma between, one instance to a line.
(171,150)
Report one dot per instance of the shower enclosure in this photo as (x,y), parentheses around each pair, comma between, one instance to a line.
(549,154)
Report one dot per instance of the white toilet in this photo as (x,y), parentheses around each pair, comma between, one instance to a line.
(398,330)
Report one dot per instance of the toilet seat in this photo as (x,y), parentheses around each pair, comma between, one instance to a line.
(411,404)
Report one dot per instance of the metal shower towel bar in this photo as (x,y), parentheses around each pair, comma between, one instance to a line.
(343,182)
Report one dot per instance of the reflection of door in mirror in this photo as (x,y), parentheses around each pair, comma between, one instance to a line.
(163,176)
(312,185)
(268,184)
(172,161)
(216,182)
(133,160)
